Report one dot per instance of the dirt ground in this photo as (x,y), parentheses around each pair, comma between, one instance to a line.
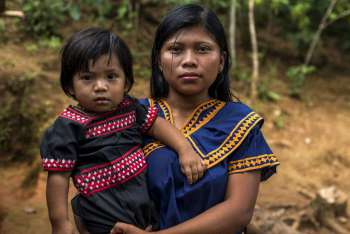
(311,139)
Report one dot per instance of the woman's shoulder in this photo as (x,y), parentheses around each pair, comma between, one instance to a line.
(145,101)
(238,110)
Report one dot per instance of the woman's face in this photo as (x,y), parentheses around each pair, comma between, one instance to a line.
(190,61)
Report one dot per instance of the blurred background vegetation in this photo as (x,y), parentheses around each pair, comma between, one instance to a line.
(287,31)
(291,41)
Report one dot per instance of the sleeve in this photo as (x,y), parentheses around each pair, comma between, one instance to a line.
(145,116)
(59,146)
(253,154)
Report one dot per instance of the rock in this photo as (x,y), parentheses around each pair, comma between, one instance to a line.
(329,204)
(29,210)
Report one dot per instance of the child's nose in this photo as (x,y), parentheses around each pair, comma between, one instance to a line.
(100,85)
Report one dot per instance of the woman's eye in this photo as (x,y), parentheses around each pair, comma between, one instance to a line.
(203,49)
(175,49)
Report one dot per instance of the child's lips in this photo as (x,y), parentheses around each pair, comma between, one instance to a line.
(102,100)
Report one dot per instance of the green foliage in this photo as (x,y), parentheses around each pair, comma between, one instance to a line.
(53,43)
(2,30)
(279,122)
(43,17)
(265,93)
(20,117)
(125,15)
(297,76)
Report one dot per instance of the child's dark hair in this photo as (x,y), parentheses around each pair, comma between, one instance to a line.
(183,17)
(89,45)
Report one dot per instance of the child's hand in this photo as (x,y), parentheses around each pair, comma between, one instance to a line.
(192,165)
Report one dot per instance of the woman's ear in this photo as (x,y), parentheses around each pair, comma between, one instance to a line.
(222,61)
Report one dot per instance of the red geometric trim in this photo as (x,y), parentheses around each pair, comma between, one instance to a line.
(107,175)
(51,164)
(150,118)
(111,125)
(70,113)
(125,102)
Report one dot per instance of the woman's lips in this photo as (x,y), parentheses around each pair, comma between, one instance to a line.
(189,76)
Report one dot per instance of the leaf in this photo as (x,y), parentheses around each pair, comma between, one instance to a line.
(74,12)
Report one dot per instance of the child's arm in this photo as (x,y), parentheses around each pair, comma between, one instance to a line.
(57,202)
(191,163)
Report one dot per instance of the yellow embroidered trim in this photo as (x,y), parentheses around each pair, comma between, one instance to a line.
(167,111)
(235,138)
(232,141)
(193,124)
(191,120)
(151,102)
(149,148)
(252,163)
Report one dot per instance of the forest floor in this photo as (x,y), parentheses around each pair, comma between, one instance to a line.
(310,137)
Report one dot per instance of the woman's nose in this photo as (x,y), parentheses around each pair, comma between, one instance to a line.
(189,58)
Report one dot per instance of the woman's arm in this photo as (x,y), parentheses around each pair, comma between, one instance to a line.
(191,163)
(57,202)
(229,216)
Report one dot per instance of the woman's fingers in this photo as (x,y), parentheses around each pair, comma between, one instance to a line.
(119,228)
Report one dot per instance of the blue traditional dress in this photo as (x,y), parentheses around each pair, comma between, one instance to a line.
(227,137)
(104,156)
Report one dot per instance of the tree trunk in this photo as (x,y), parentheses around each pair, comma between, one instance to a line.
(233,32)
(255,58)
(320,29)
(2,6)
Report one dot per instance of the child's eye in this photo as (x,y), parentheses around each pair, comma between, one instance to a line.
(86,77)
(112,76)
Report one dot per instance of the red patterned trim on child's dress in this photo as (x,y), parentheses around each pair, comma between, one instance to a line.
(107,175)
(125,102)
(76,116)
(114,124)
(51,164)
(150,118)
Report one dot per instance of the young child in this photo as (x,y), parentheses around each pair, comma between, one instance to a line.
(98,141)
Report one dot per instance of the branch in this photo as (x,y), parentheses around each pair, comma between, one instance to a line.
(317,36)
(19,14)
(342,15)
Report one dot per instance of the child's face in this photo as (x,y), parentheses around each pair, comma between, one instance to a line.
(101,88)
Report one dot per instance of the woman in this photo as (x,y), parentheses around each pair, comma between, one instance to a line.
(190,87)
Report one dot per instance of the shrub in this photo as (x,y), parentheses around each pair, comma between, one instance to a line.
(21,117)
(43,17)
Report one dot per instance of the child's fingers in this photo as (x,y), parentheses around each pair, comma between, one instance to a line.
(201,171)
(204,165)
(195,173)
(188,174)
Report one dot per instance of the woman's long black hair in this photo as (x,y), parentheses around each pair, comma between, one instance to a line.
(183,17)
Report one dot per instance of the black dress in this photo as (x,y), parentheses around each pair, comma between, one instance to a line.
(103,153)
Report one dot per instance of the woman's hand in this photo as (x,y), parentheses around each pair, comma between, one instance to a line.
(63,228)
(191,164)
(124,228)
